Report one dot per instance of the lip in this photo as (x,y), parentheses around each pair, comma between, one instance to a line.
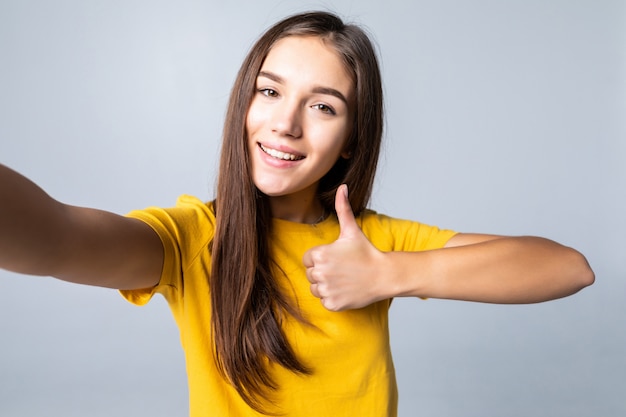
(281,148)
(275,162)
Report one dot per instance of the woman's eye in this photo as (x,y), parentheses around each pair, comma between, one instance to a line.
(268,92)
(324,108)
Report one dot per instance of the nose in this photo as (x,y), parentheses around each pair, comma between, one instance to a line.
(287,119)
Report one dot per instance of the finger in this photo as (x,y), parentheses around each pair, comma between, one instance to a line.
(329,304)
(315,290)
(307,259)
(347,223)
(309,275)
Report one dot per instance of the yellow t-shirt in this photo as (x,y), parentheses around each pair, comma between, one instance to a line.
(348,351)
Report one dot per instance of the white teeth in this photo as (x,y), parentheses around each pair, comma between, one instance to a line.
(280,155)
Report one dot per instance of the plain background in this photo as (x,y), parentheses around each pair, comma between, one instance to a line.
(502,117)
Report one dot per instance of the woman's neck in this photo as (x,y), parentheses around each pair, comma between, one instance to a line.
(296,208)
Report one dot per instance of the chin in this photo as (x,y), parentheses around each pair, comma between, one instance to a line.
(270,191)
(273,193)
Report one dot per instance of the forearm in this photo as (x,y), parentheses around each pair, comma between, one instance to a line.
(503,270)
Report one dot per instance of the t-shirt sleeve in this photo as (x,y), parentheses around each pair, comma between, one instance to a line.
(414,236)
(185,230)
(404,235)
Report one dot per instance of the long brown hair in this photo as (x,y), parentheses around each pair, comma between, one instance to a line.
(246,302)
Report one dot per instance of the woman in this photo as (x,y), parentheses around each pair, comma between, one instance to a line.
(281,286)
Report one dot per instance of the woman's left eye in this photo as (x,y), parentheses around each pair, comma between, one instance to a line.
(324,108)
(268,92)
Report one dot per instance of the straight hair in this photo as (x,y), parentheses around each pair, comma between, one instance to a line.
(247,305)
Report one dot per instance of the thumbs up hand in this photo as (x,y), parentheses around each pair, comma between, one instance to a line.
(349,272)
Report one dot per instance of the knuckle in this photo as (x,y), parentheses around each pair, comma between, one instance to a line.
(316,275)
(319,256)
(313,288)
(309,275)
(331,304)
(330,307)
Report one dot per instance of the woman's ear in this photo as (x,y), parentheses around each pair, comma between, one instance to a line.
(346,154)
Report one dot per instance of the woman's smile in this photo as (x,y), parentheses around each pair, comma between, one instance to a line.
(275,153)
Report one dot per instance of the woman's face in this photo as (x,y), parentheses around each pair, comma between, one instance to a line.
(300,117)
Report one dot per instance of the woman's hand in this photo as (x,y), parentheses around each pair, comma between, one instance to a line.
(347,273)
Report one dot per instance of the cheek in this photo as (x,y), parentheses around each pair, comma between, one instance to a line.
(338,141)
(255,117)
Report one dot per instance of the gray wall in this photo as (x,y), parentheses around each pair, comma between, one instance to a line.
(503,117)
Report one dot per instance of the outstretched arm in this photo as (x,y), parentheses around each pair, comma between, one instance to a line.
(41,236)
(493,269)
(352,273)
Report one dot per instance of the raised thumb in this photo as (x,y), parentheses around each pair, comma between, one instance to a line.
(347,223)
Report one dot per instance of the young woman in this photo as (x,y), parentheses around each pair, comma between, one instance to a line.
(281,286)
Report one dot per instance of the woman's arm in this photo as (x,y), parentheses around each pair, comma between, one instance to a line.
(492,269)
(352,273)
(41,236)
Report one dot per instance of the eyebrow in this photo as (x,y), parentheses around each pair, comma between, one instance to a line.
(317,89)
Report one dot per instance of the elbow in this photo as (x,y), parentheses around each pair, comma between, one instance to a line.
(588,277)
(582,274)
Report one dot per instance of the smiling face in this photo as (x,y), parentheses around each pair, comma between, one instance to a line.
(298,123)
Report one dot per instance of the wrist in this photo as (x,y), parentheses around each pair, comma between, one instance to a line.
(404,272)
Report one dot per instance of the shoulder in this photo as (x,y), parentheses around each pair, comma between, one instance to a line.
(189,224)
(401,234)
(187,210)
